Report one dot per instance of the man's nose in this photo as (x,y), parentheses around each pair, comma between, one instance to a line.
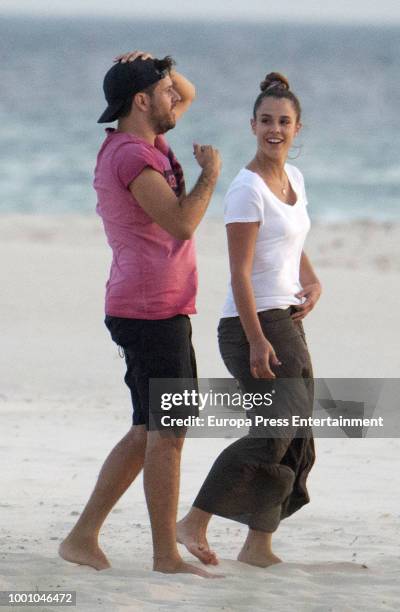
(177,97)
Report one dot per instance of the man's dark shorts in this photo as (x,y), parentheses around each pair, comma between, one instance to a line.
(153,349)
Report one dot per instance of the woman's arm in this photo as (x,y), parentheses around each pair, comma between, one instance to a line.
(311,288)
(241,244)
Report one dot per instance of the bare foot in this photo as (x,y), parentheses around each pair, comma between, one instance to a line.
(196,544)
(258,558)
(84,552)
(178,566)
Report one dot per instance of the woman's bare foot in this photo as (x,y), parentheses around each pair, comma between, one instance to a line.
(178,566)
(195,542)
(84,551)
(258,558)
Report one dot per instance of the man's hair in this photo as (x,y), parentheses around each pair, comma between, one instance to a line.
(162,65)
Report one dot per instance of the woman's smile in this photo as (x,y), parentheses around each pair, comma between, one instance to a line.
(275,141)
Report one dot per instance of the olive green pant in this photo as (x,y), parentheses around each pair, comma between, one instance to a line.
(261,478)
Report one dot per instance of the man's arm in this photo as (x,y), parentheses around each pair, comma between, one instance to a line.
(186,91)
(182,85)
(178,216)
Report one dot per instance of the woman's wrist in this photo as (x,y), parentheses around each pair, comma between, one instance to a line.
(256,339)
(310,281)
(317,285)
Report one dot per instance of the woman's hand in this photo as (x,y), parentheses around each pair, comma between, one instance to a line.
(262,357)
(312,294)
(131,56)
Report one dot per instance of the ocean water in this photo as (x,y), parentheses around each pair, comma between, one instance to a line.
(346,79)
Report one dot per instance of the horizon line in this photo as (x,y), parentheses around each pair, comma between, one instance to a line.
(217,19)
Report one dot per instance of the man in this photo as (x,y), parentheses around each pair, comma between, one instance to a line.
(149,222)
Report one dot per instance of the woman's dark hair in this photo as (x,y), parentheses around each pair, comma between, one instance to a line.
(275,85)
(164,65)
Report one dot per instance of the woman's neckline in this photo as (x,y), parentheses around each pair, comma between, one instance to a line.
(272,193)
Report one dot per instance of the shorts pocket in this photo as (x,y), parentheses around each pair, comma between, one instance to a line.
(124,332)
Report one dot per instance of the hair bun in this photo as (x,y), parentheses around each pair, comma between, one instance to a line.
(274,79)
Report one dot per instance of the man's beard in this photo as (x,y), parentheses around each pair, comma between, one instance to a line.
(161,122)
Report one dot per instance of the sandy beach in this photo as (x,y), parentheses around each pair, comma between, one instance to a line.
(64,405)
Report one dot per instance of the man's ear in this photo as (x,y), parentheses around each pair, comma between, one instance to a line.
(141,101)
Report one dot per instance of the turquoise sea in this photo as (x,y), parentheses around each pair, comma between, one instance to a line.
(345,76)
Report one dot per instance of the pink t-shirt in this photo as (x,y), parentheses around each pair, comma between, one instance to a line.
(153,275)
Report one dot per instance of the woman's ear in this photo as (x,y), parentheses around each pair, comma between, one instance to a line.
(298,128)
(253,125)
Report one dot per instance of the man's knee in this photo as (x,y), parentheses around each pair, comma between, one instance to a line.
(137,435)
(167,440)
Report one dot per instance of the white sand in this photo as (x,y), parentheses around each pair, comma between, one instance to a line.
(64,405)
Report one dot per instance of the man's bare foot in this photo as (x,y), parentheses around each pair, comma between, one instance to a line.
(83,551)
(195,542)
(258,558)
(178,566)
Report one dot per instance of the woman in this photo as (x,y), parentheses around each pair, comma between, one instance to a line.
(260,480)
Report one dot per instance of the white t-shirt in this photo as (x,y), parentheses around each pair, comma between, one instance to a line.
(282,232)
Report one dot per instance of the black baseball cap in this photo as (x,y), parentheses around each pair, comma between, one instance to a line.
(126,79)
